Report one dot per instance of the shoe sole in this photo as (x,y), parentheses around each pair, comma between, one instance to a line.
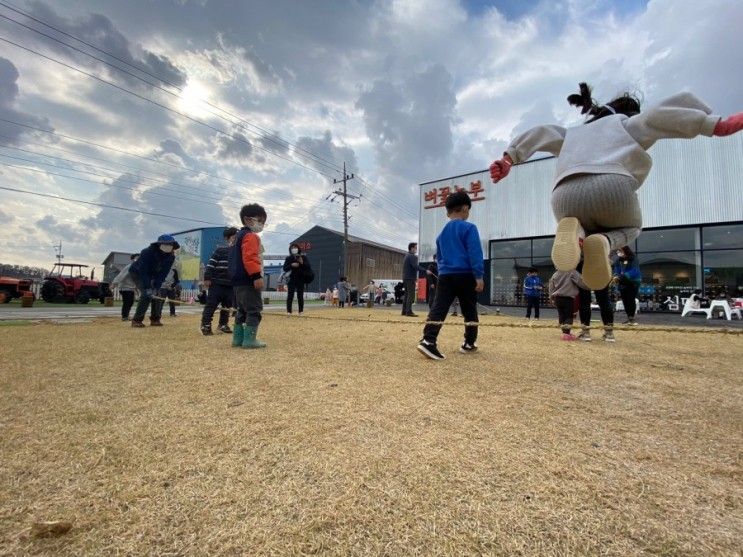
(464,351)
(423,350)
(566,249)
(610,340)
(596,269)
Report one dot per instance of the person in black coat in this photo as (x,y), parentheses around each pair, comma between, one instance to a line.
(149,272)
(297,265)
(217,280)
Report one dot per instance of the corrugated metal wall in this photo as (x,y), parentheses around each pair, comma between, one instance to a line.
(367,262)
(694,181)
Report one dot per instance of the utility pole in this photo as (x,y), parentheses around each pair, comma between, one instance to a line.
(58,249)
(347,198)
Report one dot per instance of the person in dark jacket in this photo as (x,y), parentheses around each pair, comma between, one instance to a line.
(297,265)
(149,272)
(410,270)
(627,277)
(217,281)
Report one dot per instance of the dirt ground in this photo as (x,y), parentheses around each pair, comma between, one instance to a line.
(340,439)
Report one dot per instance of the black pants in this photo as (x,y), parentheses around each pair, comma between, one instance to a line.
(249,306)
(602,299)
(532,302)
(458,285)
(407,304)
(628,293)
(431,295)
(127,297)
(291,288)
(565,305)
(218,294)
(168,293)
(144,302)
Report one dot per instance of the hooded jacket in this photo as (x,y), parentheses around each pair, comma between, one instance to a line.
(152,266)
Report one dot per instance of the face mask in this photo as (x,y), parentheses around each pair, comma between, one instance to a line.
(255,225)
(166,248)
(620,254)
(294,251)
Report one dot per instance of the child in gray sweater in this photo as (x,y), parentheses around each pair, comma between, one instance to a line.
(563,288)
(601,165)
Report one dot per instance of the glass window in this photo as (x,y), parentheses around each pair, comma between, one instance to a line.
(668,275)
(723,236)
(506,280)
(723,271)
(542,247)
(669,240)
(510,248)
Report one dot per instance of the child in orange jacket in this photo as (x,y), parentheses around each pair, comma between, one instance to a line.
(246,272)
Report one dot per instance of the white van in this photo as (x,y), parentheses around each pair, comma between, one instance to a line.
(388,285)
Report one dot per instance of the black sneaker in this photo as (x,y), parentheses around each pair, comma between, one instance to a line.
(429,350)
(468,348)
(206,330)
(225,329)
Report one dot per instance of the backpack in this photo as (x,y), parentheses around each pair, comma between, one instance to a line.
(308,275)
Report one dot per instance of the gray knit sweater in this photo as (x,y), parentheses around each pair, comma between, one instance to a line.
(616,144)
(566,284)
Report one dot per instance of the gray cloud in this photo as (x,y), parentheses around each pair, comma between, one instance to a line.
(329,152)
(56,229)
(236,148)
(410,123)
(5,218)
(100,31)
(8,96)
(172,147)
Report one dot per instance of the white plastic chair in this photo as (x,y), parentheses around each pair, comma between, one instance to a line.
(725,307)
(689,309)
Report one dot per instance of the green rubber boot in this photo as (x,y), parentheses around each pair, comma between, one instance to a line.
(249,340)
(238,334)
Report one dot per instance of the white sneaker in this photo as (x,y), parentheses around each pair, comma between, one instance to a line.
(566,248)
(596,266)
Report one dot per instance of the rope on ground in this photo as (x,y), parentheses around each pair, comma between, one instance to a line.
(520,325)
(181,302)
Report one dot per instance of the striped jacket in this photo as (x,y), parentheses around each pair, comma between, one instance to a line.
(217,270)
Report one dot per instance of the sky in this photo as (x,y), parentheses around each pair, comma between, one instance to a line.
(158,117)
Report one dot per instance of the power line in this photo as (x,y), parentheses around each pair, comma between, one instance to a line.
(164,107)
(262,136)
(278,141)
(123,152)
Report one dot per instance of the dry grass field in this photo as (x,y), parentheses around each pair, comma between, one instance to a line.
(340,439)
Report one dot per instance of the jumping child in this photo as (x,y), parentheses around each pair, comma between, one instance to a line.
(600,167)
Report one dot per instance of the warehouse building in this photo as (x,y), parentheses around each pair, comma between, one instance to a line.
(692,237)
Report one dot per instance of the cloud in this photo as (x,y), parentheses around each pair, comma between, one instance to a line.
(56,229)
(99,30)
(329,156)
(410,123)
(235,148)
(172,147)
(5,218)
(9,90)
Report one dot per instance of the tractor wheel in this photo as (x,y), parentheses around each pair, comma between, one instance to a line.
(8,295)
(52,292)
(83,297)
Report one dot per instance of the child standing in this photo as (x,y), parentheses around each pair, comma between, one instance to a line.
(217,280)
(460,275)
(246,273)
(127,288)
(600,167)
(532,290)
(563,288)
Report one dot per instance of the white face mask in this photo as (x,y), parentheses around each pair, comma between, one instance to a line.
(294,251)
(165,248)
(255,225)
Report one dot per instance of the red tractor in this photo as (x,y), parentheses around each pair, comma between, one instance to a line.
(68,283)
(13,287)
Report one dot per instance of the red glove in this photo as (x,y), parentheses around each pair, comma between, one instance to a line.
(500,169)
(729,126)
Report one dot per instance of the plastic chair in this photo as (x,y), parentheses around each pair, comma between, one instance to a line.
(689,309)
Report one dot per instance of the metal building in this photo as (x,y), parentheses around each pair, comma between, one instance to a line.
(114,262)
(692,204)
(366,259)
